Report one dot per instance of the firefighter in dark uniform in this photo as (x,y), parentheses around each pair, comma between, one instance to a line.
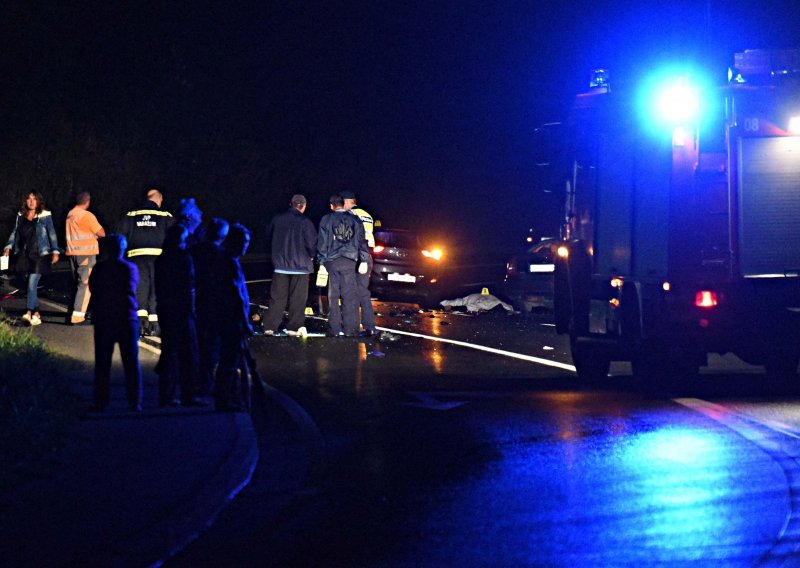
(362,279)
(145,229)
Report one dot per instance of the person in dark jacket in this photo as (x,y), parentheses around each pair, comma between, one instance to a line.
(175,292)
(113,286)
(341,245)
(35,246)
(294,241)
(232,313)
(209,260)
(145,228)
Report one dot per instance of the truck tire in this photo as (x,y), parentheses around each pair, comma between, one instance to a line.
(592,361)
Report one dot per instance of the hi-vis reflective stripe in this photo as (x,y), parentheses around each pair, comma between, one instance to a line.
(368,222)
(144,251)
(73,248)
(149,212)
(141,313)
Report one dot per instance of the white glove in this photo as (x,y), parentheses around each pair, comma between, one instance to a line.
(362,268)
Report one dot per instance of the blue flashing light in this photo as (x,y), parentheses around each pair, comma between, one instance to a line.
(678,103)
(673,99)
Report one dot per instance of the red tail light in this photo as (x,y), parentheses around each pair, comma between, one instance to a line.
(706,299)
(378,248)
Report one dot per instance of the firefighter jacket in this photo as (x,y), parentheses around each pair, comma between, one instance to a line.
(369,225)
(145,229)
(341,236)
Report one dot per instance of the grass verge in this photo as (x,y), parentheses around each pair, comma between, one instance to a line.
(38,408)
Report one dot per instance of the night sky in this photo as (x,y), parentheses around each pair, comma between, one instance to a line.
(424,109)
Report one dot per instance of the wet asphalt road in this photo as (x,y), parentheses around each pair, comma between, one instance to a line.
(436,455)
(411,452)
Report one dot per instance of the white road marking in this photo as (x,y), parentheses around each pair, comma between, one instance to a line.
(150,348)
(53,305)
(770,438)
(727,417)
(484,348)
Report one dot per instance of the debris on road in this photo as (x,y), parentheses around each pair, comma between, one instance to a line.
(478,303)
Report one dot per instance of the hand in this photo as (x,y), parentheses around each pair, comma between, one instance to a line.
(362,268)
(55,257)
(6,252)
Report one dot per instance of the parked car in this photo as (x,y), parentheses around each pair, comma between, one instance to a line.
(530,276)
(407,267)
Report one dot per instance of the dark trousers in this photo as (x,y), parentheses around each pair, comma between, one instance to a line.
(178,364)
(232,389)
(342,286)
(291,290)
(105,336)
(146,290)
(209,339)
(365,298)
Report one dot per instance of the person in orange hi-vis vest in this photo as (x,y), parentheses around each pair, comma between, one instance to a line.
(82,250)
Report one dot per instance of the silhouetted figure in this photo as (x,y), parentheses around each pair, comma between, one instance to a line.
(175,292)
(232,312)
(145,228)
(209,261)
(293,245)
(190,216)
(113,286)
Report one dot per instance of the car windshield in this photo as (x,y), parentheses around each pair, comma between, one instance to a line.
(397,239)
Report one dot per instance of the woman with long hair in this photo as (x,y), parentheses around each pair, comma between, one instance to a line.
(35,248)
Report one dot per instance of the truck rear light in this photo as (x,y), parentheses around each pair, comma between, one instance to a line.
(706,299)
(378,248)
(616,282)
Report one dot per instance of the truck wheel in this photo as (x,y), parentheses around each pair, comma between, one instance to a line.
(591,361)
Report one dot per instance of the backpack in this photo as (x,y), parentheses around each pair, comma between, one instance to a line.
(343,231)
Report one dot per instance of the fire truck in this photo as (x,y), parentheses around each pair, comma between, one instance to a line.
(681,220)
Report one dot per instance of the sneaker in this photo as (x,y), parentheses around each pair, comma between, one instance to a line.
(269,332)
(27,319)
(301,332)
(36,320)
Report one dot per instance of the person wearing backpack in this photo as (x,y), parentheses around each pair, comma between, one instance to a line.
(341,247)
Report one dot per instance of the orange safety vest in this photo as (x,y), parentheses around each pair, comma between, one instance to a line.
(82,229)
